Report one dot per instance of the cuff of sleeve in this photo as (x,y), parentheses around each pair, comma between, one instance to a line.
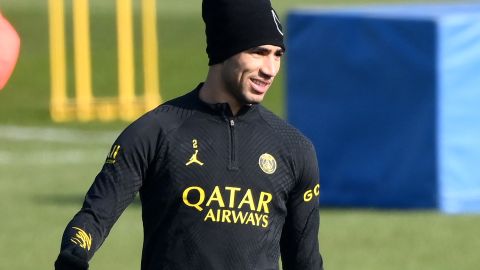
(68,261)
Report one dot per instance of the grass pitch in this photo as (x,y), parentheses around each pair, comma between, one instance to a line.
(46,168)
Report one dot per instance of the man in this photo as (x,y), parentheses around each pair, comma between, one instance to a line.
(224,184)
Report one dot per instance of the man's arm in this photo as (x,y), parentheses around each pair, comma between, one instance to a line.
(112,191)
(299,243)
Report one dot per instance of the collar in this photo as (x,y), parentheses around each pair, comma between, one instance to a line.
(222,109)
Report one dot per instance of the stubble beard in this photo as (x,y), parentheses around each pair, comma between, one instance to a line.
(237,91)
(239,95)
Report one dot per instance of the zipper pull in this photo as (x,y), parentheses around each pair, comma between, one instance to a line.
(232,122)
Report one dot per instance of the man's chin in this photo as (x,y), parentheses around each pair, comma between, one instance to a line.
(255,100)
(250,98)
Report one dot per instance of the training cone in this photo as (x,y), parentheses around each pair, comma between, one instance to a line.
(9,49)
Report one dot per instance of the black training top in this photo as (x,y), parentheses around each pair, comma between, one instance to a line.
(218,192)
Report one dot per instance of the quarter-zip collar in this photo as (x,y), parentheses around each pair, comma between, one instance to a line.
(225,115)
(223,109)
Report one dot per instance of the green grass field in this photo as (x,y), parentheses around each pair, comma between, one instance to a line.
(46,168)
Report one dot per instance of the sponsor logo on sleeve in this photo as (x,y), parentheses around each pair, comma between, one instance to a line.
(82,238)
(311,193)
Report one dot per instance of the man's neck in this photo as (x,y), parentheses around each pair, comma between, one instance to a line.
(213,91)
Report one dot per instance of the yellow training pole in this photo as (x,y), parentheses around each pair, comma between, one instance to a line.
(150,54)
(83,84)
(126,76)
(58,78)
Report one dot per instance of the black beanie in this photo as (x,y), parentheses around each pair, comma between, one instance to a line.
(233,26)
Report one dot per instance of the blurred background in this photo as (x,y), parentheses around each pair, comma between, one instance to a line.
(46,166)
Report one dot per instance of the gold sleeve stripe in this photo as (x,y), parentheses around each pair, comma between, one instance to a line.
(116,151)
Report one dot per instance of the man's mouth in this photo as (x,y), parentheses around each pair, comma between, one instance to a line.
(260,85)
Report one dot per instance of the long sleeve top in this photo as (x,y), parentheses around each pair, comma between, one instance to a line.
(217,191)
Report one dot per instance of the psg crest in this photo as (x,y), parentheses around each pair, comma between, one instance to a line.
(267,163)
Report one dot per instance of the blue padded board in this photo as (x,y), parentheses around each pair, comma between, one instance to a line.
(390,96)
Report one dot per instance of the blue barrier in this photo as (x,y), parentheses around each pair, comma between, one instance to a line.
(390,96)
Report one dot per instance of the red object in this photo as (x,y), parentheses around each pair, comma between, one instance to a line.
(9,49)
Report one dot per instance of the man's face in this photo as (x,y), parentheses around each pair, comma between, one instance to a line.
(248,75)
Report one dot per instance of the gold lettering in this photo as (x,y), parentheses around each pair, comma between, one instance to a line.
(218,210)
(265,221)
(265,198)
(238,216)
(316,190)
(258,217)
(201,198)
(307,196)
(226,215)
(216,196)
(233,190)
(247,199)
(250,219)
(210,215)
(194,144)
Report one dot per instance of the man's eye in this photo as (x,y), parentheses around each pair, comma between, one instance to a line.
(259,52)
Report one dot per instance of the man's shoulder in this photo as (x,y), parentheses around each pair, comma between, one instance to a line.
(167,116)
(178,108)
(288,133)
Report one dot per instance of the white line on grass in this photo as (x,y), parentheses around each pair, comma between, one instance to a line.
(60,135)
(51,157)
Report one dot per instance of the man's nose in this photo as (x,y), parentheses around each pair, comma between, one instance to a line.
(270,66)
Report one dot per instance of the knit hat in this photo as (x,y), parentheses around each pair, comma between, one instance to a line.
(233,26)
